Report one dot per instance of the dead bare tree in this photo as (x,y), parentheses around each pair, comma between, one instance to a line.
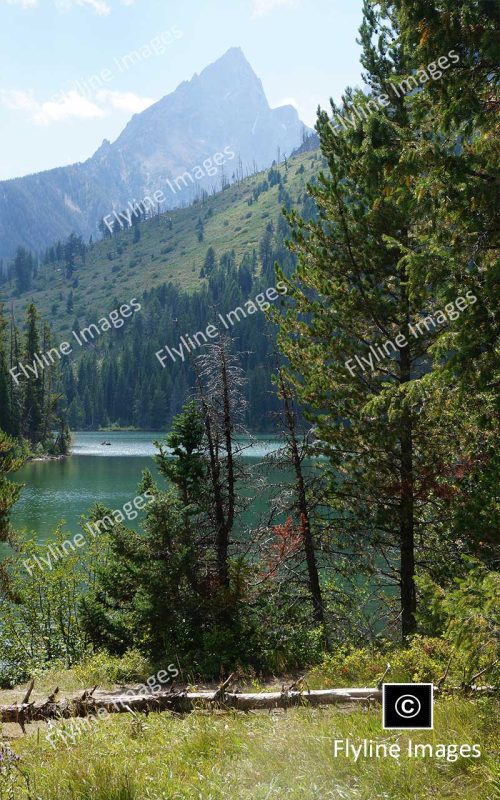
(220,382)
(297,451)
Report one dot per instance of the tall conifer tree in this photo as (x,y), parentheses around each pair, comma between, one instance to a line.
(350,333)
(33,402)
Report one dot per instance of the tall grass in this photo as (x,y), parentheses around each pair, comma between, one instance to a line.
(231,756)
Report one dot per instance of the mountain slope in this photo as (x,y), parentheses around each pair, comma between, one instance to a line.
(223,107)
(184,267)
(169,249)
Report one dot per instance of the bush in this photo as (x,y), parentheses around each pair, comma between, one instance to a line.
(279,637)
(467,615)
(12,674)
(425,660)
(103,669)
(39,628)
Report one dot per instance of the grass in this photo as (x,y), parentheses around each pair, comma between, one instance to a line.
(234,756)
(259,757)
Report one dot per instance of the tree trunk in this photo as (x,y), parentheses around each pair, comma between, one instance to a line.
(226,528)
(303,507)
(406,506)
(180,702)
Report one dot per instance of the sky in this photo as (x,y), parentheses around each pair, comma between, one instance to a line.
(64,86)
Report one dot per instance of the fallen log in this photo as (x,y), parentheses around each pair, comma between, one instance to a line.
(180,702)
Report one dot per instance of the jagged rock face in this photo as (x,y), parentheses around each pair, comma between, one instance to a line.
(223,107)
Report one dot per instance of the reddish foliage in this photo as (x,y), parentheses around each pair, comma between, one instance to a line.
(287,543)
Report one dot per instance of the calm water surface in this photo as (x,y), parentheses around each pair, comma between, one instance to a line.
(64,490)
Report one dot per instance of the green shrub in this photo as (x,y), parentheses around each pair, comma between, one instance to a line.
(103,669)
(425,660)
(13,674)
(279,638)
(39,627)
(467,615)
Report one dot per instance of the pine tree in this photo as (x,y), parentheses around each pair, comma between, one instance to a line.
(62,443)
(5,410)
(137,231)
(10,461)
(23,270)
(33,387)
(296,451)
(219,393)
(181,462)
(200,229)
(456,241)
(266,251)
(347,333)
(210,263)
(15,391)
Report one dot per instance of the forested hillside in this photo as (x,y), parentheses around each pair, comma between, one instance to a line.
(184,268)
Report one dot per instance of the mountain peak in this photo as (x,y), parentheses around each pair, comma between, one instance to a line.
(234,53)
(231,69)
(224,109)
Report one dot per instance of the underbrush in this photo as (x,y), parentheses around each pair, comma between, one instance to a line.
(426,660)
(99,669)
(255,756)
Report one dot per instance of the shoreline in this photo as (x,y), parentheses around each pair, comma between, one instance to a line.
(47,458)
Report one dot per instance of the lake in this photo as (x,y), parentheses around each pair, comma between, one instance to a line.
(66,489)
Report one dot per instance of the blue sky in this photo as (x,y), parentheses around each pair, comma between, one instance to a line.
(304,51)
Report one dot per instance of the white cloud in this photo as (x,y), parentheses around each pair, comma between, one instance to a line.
(22,3)
(72,105)
(17,100)
(261,7)
(124,101)
(100,7)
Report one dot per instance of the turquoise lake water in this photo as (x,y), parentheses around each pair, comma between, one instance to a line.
(66,489)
